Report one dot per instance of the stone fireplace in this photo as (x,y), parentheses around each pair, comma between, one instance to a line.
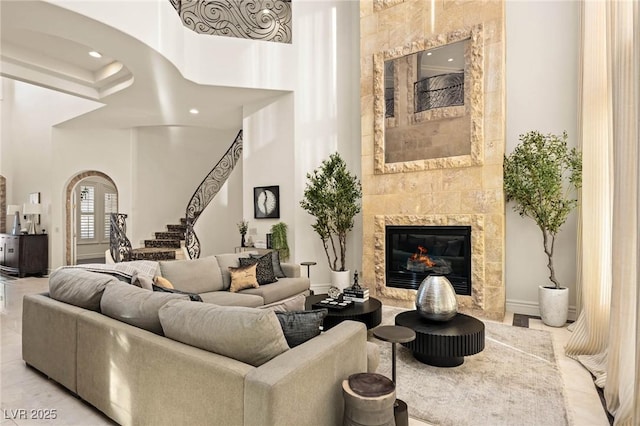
(444,188)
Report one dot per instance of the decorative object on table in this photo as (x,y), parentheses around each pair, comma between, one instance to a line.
(243,226)
(355,293)
(266,202)
(334,292)
(436,299)
(14,209)
(396,334)
(279,240)
(32,211)
(34,198)
(332,195)
(332,303)
(542,176)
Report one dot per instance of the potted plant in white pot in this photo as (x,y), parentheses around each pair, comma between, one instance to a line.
(332,195)
(542,177)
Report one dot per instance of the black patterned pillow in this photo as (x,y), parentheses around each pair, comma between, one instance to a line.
(300,326)
(275,259)
(264,268)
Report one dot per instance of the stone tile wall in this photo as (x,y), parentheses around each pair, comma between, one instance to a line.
(449,190)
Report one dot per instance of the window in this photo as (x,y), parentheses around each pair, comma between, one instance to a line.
(87,212)
(110,206)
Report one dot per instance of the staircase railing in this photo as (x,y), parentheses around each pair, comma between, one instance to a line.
(207,190)
(119,244)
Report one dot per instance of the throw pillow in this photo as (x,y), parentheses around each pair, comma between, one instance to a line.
(249,335)
(275,258)
(298,327)
(264,268)
(193,276)
(243,277)
(195,297)
(142,281)
(162,282)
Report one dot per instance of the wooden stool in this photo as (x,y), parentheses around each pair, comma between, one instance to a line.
(368,400)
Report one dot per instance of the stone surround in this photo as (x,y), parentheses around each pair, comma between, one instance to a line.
(451,190)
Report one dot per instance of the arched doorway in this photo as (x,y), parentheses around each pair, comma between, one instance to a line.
(89,198)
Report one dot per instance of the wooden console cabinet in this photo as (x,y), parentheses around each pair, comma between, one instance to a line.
(24,254)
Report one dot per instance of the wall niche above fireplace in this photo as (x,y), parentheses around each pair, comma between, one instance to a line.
(414,252)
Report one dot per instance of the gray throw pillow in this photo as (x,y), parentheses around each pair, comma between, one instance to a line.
(79,287)
(298,327)
(264,269)
(275,258)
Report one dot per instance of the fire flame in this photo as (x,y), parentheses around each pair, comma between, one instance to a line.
(421,256)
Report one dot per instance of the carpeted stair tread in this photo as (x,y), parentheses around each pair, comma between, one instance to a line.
(153,253)
(183,221)
(163,243)
(169,235)
(177,228)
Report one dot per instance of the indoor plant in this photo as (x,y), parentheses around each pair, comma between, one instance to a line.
(542,176)
(332,195)
(279,240)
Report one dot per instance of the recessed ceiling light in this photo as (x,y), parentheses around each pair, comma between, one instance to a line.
(429,53)
(194,111)
(450,59)
(265,11)
(95,54)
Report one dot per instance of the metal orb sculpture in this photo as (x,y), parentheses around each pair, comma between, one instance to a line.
(436,299)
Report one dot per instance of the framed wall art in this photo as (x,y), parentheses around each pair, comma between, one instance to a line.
(266,202)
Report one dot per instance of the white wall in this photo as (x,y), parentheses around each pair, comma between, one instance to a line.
(542,86)
(169,164)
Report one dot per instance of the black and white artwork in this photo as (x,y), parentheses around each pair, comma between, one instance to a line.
(266,202)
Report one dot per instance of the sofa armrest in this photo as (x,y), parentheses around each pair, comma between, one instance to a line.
(291,270)
(305,383)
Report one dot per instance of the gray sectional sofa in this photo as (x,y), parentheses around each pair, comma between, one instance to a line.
(152,358)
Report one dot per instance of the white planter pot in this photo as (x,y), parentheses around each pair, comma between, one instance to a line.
(554,305)
(340,279)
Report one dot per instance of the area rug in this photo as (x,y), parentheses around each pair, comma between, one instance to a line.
(514,381)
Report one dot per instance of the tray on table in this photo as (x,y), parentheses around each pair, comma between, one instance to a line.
(331,303)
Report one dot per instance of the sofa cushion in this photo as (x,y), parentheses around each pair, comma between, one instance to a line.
(298,327)
(243,277)
(283,289)
(135,306)
(275,260)
(79,287)
(264,268)
(252,336)
(142,281)
(226,298)
(229,260)
(193,276)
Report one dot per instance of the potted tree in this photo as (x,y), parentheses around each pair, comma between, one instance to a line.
(542,177)
(332,195)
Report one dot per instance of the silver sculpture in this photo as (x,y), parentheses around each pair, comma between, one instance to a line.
(436,299)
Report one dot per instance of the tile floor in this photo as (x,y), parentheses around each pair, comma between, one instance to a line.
(23,388)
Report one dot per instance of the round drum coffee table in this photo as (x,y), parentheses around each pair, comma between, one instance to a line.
(369,312)
(443,344)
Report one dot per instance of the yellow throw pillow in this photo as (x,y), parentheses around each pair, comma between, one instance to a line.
(162,282)
(243,277)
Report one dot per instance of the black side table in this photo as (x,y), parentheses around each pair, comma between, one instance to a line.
(308,265)
(396,334)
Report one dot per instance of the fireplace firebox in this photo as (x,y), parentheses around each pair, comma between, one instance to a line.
(415,252)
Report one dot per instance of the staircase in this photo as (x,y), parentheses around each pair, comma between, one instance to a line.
(167,245)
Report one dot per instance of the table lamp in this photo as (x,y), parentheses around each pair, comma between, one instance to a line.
(14,209)
(32,210)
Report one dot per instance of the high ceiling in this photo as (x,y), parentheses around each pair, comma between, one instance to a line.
(46,45)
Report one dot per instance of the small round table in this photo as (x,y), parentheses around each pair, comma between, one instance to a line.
(369,312)
(443,344)
(396,334)
(308,265)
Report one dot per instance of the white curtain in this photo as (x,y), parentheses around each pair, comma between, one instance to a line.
(606,337)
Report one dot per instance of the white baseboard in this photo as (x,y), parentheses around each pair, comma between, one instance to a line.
(531,308)
(320,288)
